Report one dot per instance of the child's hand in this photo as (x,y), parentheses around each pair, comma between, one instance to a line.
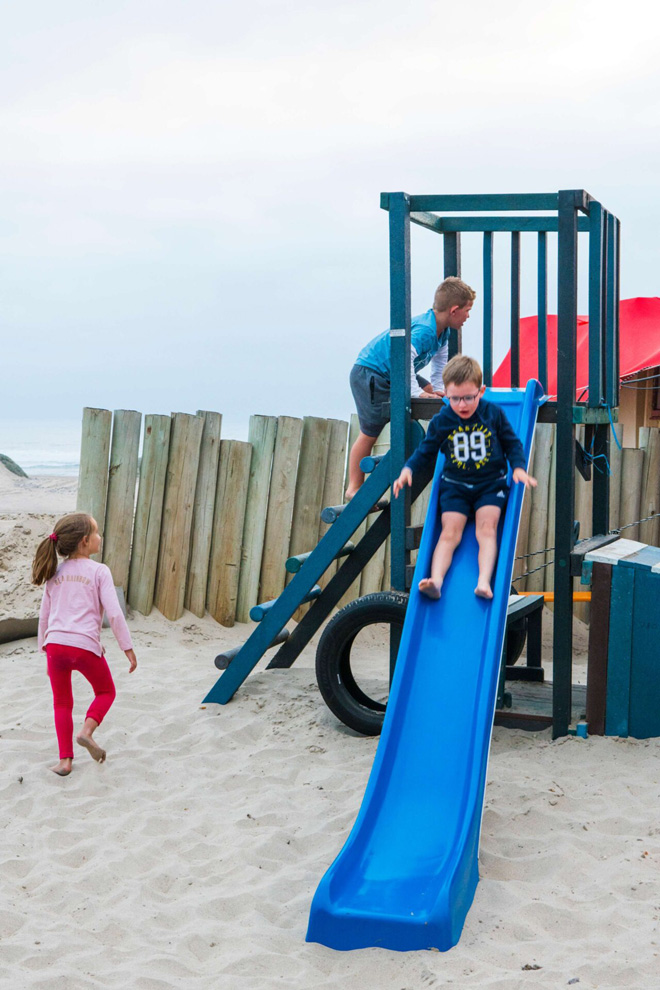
(131,659)
(405,478)
(521,476)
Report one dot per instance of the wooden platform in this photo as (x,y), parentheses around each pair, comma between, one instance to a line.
(531,706)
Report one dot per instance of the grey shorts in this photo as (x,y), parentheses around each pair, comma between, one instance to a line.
(371,392)
(372,396)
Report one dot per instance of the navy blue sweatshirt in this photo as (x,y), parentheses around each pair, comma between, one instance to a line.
(475,449)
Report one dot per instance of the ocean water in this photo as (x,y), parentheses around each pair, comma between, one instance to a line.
(42,446)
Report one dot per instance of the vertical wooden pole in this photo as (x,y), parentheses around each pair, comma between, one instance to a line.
(309,489)
(122,478)
(149,513)
(616,455)
(93,475)
(550,534)
(228,525)
(202,524)
(569,200)
(649,532)
(374,570)
(281,498)
(333,489)
(262,433)
(584,491)
(399,207)
(180,483)
(632,466)
(539,508)
(354,591)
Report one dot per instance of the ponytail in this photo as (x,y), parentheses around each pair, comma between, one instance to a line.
(64,540)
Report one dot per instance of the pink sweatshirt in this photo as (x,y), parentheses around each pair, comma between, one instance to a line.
(73,605)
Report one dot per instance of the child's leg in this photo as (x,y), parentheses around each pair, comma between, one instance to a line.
(97,672)
(486,520)
(59,672)
(361,448)
(453,524)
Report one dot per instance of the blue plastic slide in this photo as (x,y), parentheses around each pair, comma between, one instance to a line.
(407,874)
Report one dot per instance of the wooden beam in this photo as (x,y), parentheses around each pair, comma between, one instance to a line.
(279,514)
(122,478)
(93,474)
(228,526)
(180,484)
(149,513)
(202,524)
(262,433)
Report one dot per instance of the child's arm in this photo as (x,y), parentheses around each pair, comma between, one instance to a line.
(438,362)
(515,454)
(44,614)
(405,478)
(521,476)
(112,609)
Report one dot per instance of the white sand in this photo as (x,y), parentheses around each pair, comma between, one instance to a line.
(189,859)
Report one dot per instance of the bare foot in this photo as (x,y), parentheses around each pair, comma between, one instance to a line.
(63,768)
(429,588)
(91,746)
(349,493)
(483,590)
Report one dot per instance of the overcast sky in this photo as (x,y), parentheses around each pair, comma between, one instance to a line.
(190,190)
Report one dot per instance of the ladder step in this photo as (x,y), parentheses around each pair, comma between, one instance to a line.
(294,564)
(331,513)
(370,463)
(223,660)
(257,612)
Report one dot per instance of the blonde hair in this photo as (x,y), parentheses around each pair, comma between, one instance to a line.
(453,292)
(462,369)
(65,538)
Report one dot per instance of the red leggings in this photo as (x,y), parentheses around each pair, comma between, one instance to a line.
(62,660)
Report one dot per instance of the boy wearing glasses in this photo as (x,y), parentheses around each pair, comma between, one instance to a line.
(477,440)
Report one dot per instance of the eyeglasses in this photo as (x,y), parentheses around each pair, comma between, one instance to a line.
(457,399)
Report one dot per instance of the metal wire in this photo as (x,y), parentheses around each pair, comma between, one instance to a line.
(533,571)
(541,567)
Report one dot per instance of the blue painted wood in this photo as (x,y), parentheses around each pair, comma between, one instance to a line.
(294,563)
(565,502)
(488,308)
(619,652)
(400,415)
(259,612)
(645,558)
(443,225)
(596,305)
(482,202)
(515,308)
(452,266)
(542,307)
(611,310)
(302,582)
(644,719)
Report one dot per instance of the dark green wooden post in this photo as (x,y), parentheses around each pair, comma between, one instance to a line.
(400,414)
(452,262)
(565,502)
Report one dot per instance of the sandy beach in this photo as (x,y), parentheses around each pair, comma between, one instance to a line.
(190,858)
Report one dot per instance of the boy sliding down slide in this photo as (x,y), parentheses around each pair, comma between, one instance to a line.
(477,440)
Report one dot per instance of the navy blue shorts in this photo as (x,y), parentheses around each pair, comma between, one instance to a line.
(459,496)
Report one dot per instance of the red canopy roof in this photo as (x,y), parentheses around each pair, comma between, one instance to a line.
(639,345)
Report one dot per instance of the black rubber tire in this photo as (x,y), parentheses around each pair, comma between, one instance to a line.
(516,638)
(334,676)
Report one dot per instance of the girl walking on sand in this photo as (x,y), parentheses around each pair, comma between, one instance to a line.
(77,593)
